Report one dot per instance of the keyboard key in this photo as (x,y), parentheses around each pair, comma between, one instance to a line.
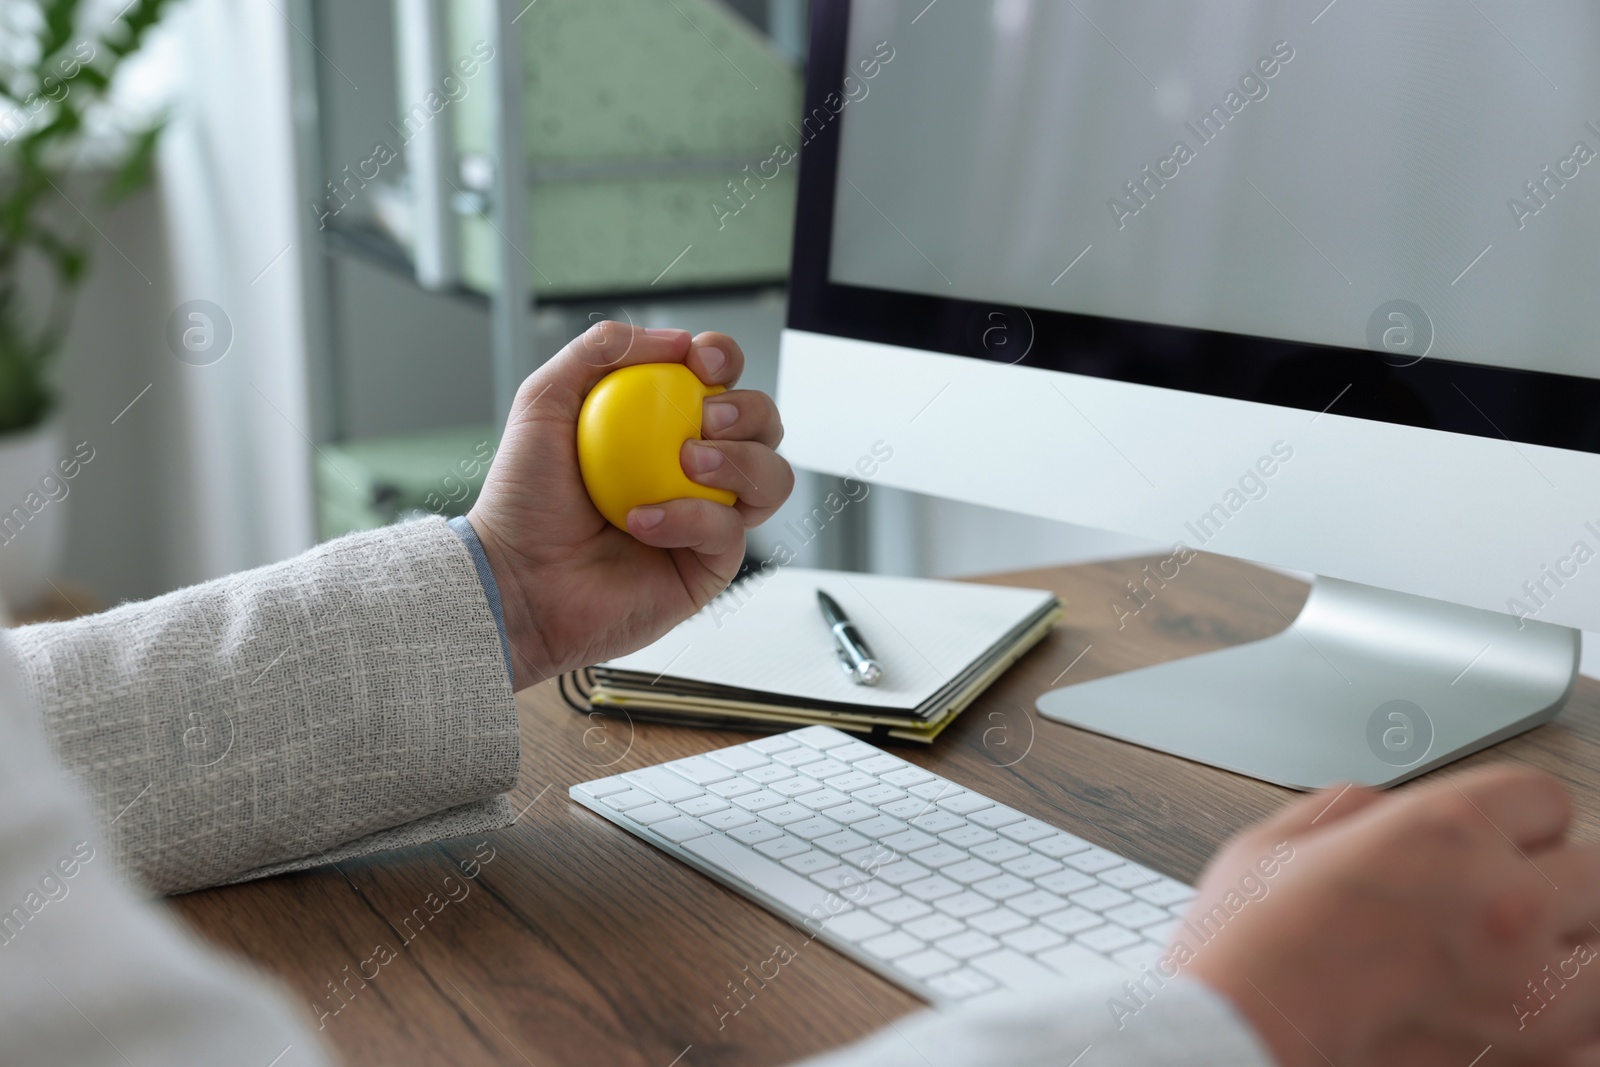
(1027,830)
(850,781)
(783,847)
(1036,903)
(904,809)
(763,875)
(1003,887)
(965,946)
(856,926)
(902,872)
(935,790)
(892,946)
(844,841)
(1059,845)
(1064,882)
(1075,961)
(839,878)
(808,862)
(652,813)
(939,856)
(870,858)
(1072,920)
(728,820)
(666,785)
(1165,893)
(784,814)
(1163,932)
(1144,954)
(793,787)
(879,764)
(879,826)
(853,752)
(760,799)
(901,910)
(964,904)
(794,757)
(821,737)
(1100,898)
(931,889)
(1138,914)
(1031,866)
(959,985)
(738,758)
(1033,939)
(970,871)
(822,799)
(702,805)
(909,841)
(997,922)
(1014,970)
(825,768)
(1127,876)
(755,833)
(772,772)
(878,795)
(995,817)
(965,803)
(1000,851)
(606,786)
(1093,861)
(734,787)
(868,893)
(814,827)
(968,836)
(775,743)
(633,798)
(937,822)
(851,812)
(934,927)
(906,776)
(699,770)
(1108,938)
(680,829)
(925,964)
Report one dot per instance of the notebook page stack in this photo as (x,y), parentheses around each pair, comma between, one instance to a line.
(761,656)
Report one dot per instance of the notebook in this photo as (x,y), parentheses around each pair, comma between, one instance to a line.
(761,656)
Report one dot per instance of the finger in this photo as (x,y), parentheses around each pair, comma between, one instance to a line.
(595,353)
(717,358)
(761,477)
(1574,870)
(742,415)
(1529,808)
(707,528)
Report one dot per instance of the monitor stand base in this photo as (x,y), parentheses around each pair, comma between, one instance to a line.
(1366,685)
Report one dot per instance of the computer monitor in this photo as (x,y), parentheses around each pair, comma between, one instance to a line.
(1310,284)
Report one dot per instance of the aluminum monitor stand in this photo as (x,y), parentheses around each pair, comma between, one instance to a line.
(1366,685)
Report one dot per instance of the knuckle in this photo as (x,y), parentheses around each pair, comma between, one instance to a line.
(602,334)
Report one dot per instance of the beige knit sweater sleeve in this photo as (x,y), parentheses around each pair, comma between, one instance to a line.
(349,700)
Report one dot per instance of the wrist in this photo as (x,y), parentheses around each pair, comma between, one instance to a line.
(522,637)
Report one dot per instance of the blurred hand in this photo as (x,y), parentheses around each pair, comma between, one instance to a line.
(577,590)
(1406,928)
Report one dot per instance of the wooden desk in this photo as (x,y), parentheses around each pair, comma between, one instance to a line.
(578,944)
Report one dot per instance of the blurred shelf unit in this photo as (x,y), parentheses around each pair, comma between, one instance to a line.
(661,147)
(362,485)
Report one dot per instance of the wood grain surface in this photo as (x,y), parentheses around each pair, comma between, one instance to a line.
(575,943)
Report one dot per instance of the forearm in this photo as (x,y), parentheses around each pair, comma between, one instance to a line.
(283,712)
(1180,1022)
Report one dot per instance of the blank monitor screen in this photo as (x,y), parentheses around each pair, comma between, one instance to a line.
(1423,178)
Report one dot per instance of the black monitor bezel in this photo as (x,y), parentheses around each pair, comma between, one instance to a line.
(1531,407)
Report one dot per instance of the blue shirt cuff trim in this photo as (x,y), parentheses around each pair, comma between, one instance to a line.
(491,590)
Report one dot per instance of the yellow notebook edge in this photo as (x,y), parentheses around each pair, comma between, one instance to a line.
(725,712)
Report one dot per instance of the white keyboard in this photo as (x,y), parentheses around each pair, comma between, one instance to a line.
(937,888)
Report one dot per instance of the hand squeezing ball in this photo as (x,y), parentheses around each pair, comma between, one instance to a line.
(631,431)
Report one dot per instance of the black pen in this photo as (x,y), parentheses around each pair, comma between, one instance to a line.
(855,658)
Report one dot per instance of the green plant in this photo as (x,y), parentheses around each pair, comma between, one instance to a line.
(43,103)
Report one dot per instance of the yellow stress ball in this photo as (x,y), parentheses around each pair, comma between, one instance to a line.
(631,431)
